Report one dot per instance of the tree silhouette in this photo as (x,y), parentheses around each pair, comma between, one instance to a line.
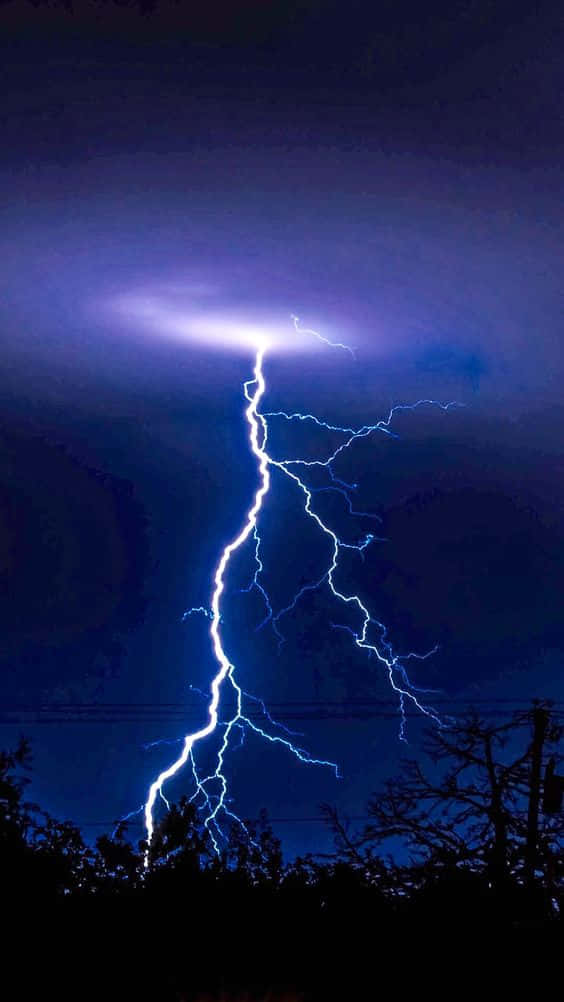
(467,814)
(118,864)
(471,851)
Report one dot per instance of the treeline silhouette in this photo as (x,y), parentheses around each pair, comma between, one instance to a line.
(460,860)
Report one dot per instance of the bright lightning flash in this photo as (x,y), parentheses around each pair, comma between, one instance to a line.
(215,803)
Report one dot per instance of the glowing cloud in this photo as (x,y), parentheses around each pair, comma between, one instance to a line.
(181,315)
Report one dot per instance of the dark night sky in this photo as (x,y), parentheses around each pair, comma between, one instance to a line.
(393,175)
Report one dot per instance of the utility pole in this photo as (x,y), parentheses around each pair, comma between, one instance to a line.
(540,727)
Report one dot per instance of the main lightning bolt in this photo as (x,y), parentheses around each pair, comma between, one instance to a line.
(215,804)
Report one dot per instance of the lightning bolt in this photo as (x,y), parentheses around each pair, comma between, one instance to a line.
(370,635)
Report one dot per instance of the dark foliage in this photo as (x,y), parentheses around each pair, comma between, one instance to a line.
(184,922)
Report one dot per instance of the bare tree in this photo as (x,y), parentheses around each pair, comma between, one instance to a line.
(474,805)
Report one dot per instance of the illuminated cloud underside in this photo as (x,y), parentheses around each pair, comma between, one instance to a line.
(182,317)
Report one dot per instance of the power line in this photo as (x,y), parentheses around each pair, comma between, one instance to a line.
(277,718)
(279,703)
(285,820)
(32,714)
